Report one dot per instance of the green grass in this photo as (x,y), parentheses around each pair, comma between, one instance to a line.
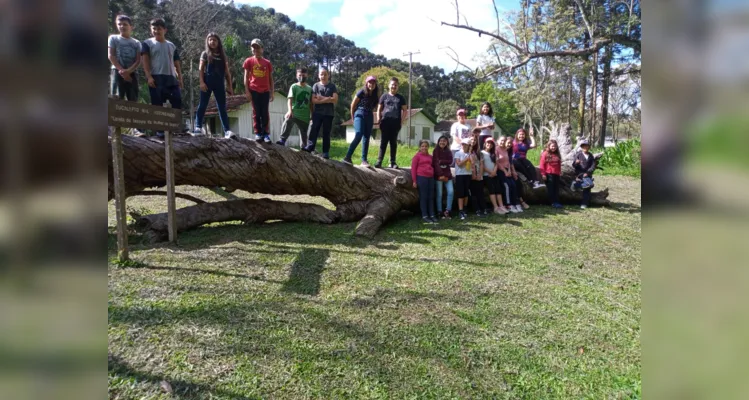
(544,304)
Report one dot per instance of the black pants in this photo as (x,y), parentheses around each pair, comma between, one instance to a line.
(389,128)
(477,196)
(552,187)
(586,197)
(326,122)
(124,88)
(260,112)
(510,193)
(525,167)
(426,195)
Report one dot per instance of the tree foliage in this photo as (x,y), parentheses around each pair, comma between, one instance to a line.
(446,109)
(502,102)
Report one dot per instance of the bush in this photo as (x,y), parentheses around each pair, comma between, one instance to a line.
(622,159)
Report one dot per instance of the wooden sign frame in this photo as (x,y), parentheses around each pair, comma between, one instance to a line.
(127,114)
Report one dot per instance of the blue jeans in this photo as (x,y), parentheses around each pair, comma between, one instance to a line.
(426,195)
(450,194)
(363,121)
(219,90)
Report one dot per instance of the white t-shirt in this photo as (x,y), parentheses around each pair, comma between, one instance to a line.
(485,120)
(488,163)
(461,131)
(466,168)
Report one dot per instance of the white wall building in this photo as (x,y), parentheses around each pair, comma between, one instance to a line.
(422,127)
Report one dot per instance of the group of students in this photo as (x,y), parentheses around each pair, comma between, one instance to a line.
(481,162)
(161,63)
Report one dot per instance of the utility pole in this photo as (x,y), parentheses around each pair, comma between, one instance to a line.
(410,62)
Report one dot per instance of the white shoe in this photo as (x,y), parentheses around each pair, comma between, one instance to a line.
(519,208)
(583,206)
(230,135)
(515,209)
(198,132)
(537,185)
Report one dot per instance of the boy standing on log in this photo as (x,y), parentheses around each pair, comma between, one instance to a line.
(162,66)
(124,54)
(258,83)
(300,109)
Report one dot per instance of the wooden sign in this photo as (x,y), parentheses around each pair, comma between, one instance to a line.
(128,114)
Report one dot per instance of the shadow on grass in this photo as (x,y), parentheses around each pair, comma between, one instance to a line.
(625,207)
(304,277)
(181,388)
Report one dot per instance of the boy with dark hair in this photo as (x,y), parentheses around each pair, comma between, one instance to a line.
(300,109)
(324,98)
(258,82)
(162,67)
(124,54)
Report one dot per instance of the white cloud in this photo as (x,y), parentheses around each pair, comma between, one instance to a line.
(393,28)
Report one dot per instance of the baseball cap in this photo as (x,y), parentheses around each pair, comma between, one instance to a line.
(584,142)
(490,139)
(461,111)
(371,78)
(256,42)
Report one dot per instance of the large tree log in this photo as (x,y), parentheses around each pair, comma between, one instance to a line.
(370,196)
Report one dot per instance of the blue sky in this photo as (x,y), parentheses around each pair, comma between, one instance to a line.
(393,27)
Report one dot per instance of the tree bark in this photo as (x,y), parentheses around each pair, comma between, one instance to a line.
(605,95)
(370,196)
(593,95)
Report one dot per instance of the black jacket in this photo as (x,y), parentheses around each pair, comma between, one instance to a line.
(584,165)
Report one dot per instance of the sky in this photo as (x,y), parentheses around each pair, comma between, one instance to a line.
(395,27)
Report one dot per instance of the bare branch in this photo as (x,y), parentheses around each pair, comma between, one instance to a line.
(585,19)
(483,32)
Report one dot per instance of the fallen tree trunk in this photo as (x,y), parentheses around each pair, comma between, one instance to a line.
(370,196)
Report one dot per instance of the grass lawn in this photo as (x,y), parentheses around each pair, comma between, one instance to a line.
(544,304)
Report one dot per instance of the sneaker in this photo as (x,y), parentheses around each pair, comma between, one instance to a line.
(574,187)
(160,135)
(434,219)
(365,164)
(281,142)
(486,212)
(556,205)
(230,135)
(138,133)
(427,220)
(305,149)
(462,215)
(446,215)
(515,209)
(394,166)
(583,206)
(197,132)
(258,137)
(378,164)
(326,156)
(537,185)
(347,160)
(524,205)
(479,214)
(266,138)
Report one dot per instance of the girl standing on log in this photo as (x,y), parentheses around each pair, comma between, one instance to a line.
(485,121)
(213,71)
(460,132)
(520,146)
(362,108)
(513,194)
(551,171)
(443,159)
(422,174)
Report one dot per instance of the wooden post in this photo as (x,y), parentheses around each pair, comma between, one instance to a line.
(119,194)
(170,198)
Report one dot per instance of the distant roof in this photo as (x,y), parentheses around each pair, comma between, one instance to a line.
(414,111)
